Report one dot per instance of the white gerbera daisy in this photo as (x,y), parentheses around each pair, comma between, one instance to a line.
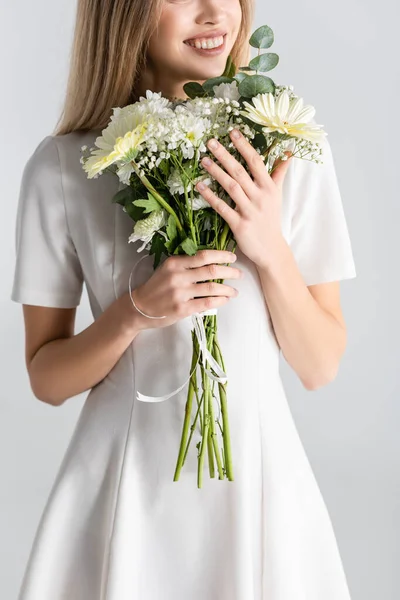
(284,115)
(119,141)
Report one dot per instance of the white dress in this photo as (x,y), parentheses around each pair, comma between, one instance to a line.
(116,526)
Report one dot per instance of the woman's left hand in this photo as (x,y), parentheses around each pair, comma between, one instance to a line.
(256,219)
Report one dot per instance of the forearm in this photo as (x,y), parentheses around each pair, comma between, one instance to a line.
(311,339)
(66,367)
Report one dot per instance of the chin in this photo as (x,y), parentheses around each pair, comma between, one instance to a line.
(201,74)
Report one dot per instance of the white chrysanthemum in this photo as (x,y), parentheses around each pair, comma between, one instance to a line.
(283,115)
(194,130)
(176,186)
(199,202)
(154,102)
(175,183)
(144,229)
(227,90)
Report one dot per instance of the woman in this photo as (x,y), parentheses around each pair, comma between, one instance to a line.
(116,526)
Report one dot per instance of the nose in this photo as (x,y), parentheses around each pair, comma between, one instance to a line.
(211,12)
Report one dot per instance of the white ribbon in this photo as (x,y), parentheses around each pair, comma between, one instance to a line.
(198,325)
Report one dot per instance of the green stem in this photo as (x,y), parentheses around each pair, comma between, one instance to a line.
(206,423)
(225,421)
(188,410)
(213,437)
(156,195)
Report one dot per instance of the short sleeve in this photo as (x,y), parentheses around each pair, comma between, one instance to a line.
(47,268)
(319,236)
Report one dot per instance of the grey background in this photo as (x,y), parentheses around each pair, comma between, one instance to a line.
(341,57)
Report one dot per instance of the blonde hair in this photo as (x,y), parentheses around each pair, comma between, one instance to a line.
(109,52)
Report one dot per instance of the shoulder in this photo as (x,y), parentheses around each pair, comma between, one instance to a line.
(54,166)
(54,153)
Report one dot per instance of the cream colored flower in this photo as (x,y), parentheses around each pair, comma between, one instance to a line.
(227,90)
(145,228)
(284,115)
(119,142)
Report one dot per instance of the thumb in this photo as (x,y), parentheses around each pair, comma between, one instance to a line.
(280,169)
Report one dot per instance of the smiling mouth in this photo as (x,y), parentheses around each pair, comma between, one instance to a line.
(207,43)
(203,47)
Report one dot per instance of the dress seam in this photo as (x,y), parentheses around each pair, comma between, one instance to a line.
(104,594)
(260,399)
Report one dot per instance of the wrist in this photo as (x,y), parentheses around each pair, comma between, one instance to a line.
(131,320)
(272,258)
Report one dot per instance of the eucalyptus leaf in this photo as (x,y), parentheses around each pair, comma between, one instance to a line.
(240,76)
(193,89)
(263,37)
(264,62)
(252,85)
(210,83)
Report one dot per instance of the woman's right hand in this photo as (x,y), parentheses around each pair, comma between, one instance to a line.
(174,289)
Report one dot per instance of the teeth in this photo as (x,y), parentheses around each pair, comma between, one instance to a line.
(206,44)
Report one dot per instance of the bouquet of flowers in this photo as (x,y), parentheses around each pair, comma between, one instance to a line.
(154,147)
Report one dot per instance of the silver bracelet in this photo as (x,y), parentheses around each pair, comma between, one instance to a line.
(130,293)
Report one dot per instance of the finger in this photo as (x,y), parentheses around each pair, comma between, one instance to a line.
(254,160)
(231,216)
(279,171)
(211,288)
(202,257)
(233,166)
(213,271)
(233,186)
(201,304)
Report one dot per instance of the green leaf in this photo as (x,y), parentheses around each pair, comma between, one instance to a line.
(193,89)
(150,204)
(172,233)
(263,37)
(228,65)
(157,248)
(188,246)
(252,85)
(171,227)
(210,83)
(264,62)
(232,70)
(136,213)
(127,194)
(164,167)
(259,142)
(240,76)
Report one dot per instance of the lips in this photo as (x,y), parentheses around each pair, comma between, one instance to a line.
(206,36)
